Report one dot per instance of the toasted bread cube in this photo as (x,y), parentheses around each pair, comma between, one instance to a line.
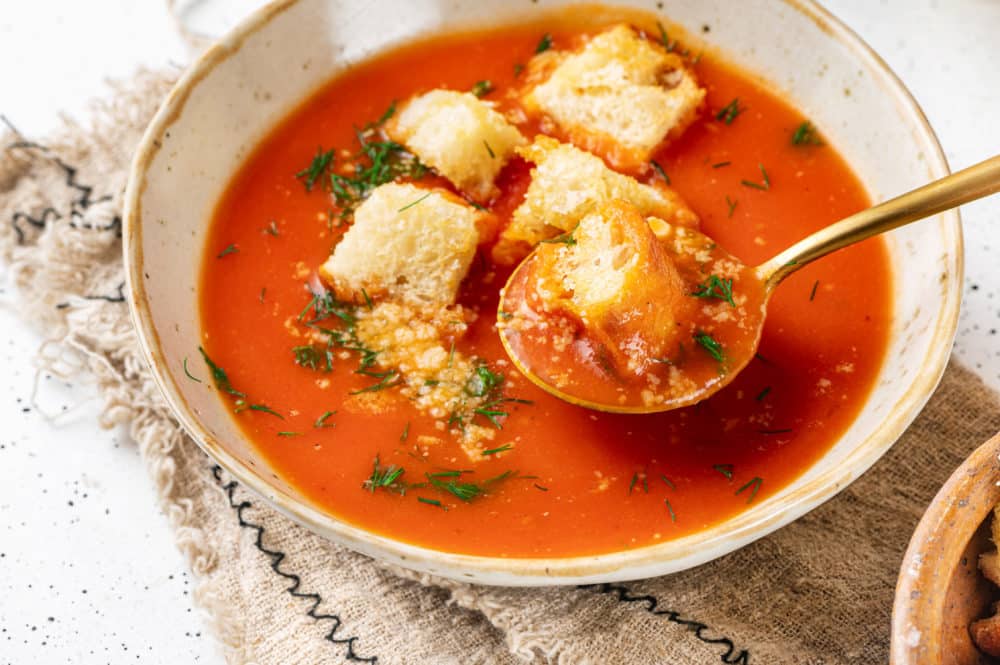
(408,244)
(614,276)
(566,185)
(459,136)
(620,96)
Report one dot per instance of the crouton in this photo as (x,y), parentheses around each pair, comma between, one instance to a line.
(459,136)
(568,184)
(408,244)
(613,276)
(620,96)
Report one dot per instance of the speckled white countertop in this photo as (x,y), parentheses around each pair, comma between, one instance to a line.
(88,569)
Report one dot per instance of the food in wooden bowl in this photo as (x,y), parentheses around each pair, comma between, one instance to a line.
(944,596)
(347,265)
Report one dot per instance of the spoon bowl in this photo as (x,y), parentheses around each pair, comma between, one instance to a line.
(527,329)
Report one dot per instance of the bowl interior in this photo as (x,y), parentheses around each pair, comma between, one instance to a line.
(245,84)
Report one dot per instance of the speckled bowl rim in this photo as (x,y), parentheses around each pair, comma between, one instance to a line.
(649,561)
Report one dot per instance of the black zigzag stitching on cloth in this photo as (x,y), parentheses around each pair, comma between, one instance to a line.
(276,558)
(78,205)
(731,656)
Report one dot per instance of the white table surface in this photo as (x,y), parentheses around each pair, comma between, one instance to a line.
(88,569)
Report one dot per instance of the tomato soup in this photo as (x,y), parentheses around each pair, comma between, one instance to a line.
(557,480)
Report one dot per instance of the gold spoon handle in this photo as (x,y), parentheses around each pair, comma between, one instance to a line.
(967,185)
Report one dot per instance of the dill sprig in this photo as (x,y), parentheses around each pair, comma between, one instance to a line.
(321,163)
(730,112)
(564,239)
(725,469)
(806,134)
(219,376)
(231,248)
(482,88)
(711,346)
(763,186)
(310,357)
(715,287)
(385,477)
(544,44)
(321,421)
(754,486)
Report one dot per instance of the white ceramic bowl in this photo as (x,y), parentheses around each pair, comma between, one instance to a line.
(253,77)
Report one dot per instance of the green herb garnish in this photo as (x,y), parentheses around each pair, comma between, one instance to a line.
(321,421)
(502,449)
(564,239)
(764,186)
(185,364)
(384,478)
(544,44)
(289,433)
(389,380)
(715,287)
(719,165)
(670,510)
(812,294)
(489,150)
(264,408)
(724,469)
(483,382)
(806,134)
(753,485)
(667,482)
(410,205)
(321,163)
(219,376)
(482,88)
(732,206)
(231,248)
(763,393)
(711,345)
(729,112)
(432,502)
(310,357)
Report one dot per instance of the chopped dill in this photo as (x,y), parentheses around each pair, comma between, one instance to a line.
(185,363)
(368,300)
(753,485)
(231,248)
(518,68)
(666,481)
(410,205)
(670,510)
(219,376)
(544,44)
(665,39)
(812,294)
(564,239)
(482,88)
(806,134)
(483,381)
(635,479)
(502,449)
(384,478)
(715,287)
(711,345)
(489,150)
(321,163)
(321,421)
(763,393)
(310,357)
(542,488)
(289,434)
(406,432)
(264,408)
(719,165)
(389,380)
(432,502)
(724,469)
(731,203)
(730,112)
(763,186)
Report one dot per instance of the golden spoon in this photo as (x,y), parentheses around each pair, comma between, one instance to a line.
(954,190)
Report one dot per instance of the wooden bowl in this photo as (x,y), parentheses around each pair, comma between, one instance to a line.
(940,590)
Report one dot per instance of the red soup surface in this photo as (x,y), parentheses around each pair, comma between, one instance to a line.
(571,481)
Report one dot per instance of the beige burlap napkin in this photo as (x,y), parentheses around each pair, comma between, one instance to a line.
(817,591)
